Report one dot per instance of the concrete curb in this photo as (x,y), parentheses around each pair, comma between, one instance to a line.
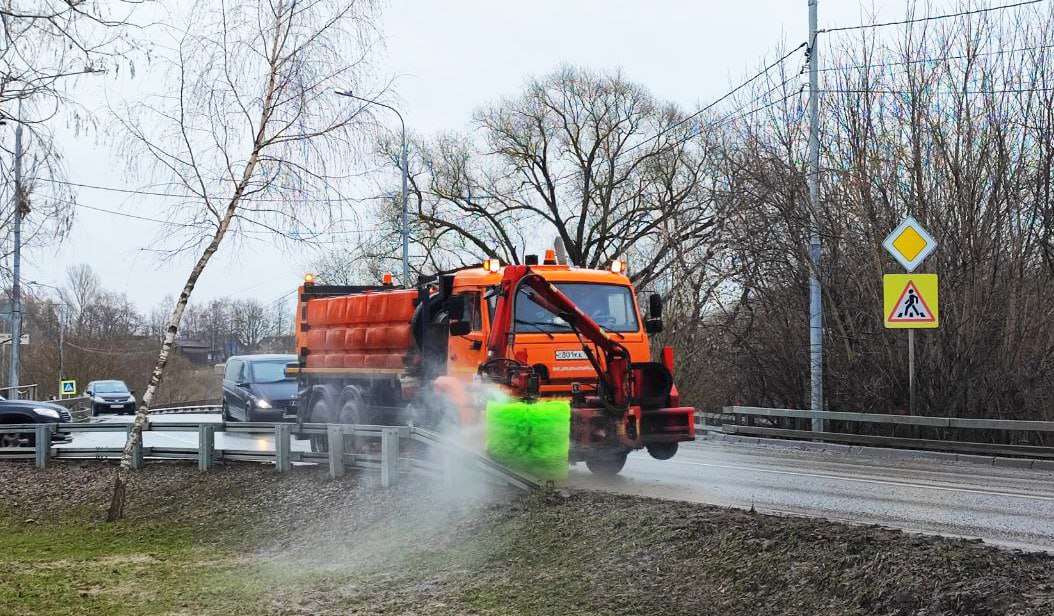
(882,452)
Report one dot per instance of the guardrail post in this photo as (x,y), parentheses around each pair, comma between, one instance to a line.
(389,456)
(42,444)
(282,434)
(335,435)
(137,451)
(206,446)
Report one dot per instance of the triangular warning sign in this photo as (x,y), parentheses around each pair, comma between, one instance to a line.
(911,307)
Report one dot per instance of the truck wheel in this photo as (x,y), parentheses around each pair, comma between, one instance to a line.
(662,451)
(607,464)
(320,413)
(352,412)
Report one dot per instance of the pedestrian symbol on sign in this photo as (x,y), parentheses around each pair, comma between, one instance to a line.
(909,307)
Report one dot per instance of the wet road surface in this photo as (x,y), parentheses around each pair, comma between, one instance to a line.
(188,439)
(1009,507)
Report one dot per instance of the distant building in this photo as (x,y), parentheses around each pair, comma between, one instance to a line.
(196,351)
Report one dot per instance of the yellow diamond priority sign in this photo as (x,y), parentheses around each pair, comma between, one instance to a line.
(910,244)
(911,301)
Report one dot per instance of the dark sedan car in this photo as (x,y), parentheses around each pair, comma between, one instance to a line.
(255,387)
(110,397)
(30,412)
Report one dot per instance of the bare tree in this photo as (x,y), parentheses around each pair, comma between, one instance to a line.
(591,158)
(46,47)
(250,132)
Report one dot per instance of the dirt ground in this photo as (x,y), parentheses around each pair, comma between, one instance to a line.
(242,539)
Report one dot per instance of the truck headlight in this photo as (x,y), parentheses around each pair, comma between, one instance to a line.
(262,404)
(52,413)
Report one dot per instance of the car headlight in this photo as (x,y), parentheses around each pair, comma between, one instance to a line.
(262,404)
(131,399)
(52,413)
(98,399)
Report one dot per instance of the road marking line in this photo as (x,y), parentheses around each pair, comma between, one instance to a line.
(862,480)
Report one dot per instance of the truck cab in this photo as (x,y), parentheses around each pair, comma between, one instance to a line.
(549,342)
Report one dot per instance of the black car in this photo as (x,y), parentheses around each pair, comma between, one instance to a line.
(255,387)
(31,412)
(110,397)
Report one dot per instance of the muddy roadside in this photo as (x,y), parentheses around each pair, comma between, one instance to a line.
(247,540)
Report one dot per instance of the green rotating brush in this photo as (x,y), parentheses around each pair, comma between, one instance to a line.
(534,437)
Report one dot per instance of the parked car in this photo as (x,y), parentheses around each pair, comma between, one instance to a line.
(110,397)
(31,412)
(255,387)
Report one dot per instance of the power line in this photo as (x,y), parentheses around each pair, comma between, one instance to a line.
(127,215)
(736,114)
(720,99)
(311,236)
(927,91)
(931,18)
(153,193)
(938,59)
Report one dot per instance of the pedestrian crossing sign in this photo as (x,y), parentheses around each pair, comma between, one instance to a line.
(911,301)
(68,388)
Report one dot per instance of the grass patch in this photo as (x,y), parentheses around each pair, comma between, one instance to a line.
(246,540)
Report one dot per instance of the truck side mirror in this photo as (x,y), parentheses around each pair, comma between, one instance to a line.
(655,306)
(653,324)
(455,307)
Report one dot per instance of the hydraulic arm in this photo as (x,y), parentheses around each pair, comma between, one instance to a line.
(614,369)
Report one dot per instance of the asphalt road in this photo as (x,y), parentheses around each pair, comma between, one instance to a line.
(1009,507)
(189,439)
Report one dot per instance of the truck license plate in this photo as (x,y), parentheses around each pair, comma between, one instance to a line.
(570,355)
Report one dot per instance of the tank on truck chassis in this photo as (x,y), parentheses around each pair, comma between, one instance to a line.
(386,355)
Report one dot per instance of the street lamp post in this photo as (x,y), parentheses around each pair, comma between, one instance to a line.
(405,230)
(62,316)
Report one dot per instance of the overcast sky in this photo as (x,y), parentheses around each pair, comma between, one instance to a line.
(447,58)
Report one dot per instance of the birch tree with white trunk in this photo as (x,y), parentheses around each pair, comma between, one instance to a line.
(250,132)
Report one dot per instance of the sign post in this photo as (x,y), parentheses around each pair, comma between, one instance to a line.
(910,300)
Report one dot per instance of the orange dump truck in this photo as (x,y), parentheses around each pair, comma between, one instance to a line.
(432,355)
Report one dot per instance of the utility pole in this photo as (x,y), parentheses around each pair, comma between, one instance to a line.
(62,347)
(406,225)
(813,175)
(16,288)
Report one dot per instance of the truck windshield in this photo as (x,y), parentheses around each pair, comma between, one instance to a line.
(611,306)
(269,371)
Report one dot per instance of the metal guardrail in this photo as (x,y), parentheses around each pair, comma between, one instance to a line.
(79,407)
(744,419)
(187,407)
(338,457)
(25,392)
